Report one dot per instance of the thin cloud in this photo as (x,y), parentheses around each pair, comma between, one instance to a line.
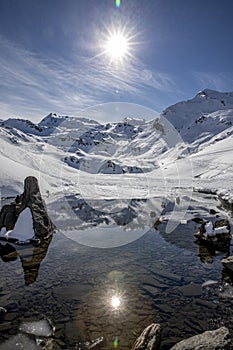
(216,81)
(34,85)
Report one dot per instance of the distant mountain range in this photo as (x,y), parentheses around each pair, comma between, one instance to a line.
(62,146)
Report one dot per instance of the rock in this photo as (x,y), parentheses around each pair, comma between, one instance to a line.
(42,328)
(8,216)
(217,228)
(3,311)
(191,290)
(19,341)
(228,263)
(198,220)
(30,198)
(51,345)
(227,271)
(213,236)
(210,340)
(149,339)
(213,211)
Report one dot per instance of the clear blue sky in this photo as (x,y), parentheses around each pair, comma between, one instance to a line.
(50,53)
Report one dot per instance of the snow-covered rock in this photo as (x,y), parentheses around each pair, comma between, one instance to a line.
(217,228)
(228,263)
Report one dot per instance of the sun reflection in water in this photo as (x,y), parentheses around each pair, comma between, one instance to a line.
(116,302)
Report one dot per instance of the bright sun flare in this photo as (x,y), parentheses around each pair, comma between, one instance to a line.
(117,46)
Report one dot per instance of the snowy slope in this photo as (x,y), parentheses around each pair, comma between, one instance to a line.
(182,114)
(129,158)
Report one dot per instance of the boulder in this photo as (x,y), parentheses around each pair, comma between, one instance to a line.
(149,339)
(30,198)
(227,271)
(228,263)
(216,229)
(210,340)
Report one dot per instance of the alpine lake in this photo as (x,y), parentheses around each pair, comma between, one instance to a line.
(100,295)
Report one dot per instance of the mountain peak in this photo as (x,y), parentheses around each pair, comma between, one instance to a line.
(52,119)
(206,101)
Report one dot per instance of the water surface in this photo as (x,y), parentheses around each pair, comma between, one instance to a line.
(113,293)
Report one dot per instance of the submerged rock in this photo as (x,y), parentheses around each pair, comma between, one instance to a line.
(51,345)
(42,328)
(31,198)
(209,340)
(32,336)
(149,339)
(19,341)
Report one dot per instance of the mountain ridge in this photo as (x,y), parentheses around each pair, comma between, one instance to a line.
(70,145)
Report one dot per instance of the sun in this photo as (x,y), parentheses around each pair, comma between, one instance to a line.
(117,46)
(115,302)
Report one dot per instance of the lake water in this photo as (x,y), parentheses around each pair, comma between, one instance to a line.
(112,294)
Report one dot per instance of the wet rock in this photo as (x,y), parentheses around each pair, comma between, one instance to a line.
(215,229)
(51,345)
(228,263)
(20,341)
(227,271)
(213,236)
(2,311)
(149,339)
(210,340)
(94,343)
(42,328)
(30,198)
(226,292)
(198,220)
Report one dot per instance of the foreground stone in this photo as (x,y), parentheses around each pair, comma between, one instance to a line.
(228,263)
(149,339)
(30,198)
(210,340)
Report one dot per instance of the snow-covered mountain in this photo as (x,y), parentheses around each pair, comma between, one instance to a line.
(64,152)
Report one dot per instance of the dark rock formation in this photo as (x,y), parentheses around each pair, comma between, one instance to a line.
(210,340)
(228,263)
(214,236)
(149,339)
(31,198)
(216,224)
(227,271)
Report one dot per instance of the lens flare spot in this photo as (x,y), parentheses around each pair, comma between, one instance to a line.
(115,342)
(118,3)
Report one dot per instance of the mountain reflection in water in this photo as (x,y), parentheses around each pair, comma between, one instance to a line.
(108,296)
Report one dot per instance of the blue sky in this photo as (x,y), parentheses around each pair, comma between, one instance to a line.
(50,57)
